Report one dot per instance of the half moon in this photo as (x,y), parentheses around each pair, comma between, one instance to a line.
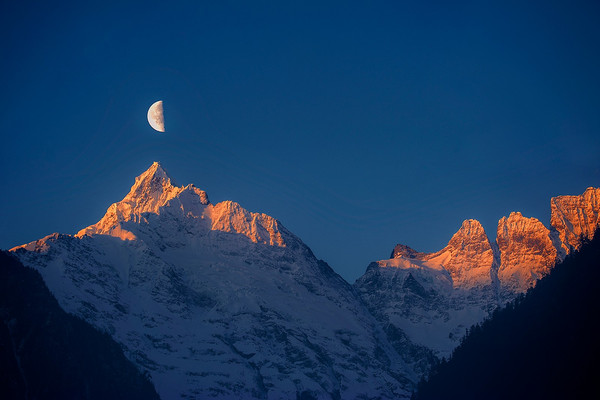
(155,116)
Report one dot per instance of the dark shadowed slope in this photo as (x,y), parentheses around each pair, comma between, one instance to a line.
(544,345)
(46,353)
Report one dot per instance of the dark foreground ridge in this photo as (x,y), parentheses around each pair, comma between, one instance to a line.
(544,345)
(46,353)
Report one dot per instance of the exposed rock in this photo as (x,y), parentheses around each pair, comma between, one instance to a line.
(401,250)
(576,217)
(214,301)
(527,252)
(217,301)
(468,256)
(431,298)
(154,190)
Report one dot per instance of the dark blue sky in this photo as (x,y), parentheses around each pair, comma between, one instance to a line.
(358,125)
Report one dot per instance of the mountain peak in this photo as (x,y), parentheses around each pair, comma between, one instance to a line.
(576,217)
(155,193)
(153,178)
(468,256)
(516,218)
(404,251)
(471,228)
(151,190)
(469,236)
(156,169)
(527,251)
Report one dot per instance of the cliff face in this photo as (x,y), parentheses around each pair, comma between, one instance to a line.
(154,192)
(425,301)
(468,257)
(527,252)
(430,299)
(546,337)
(576,217)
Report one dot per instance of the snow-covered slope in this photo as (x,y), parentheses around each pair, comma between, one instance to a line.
(429,299)
(468,257)
(432,298)
(153,192)
(216,301)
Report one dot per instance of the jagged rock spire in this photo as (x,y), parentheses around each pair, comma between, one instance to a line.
(154,192)
(527,251)
(576,217)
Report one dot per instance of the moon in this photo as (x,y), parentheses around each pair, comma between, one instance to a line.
(155,116)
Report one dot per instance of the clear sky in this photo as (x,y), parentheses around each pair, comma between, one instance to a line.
(358,125)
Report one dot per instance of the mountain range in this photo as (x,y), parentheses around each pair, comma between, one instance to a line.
(432,298)
(542,345)
(215,301)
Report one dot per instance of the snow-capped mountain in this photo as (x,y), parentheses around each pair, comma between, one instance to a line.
(468,257)
(216,301)
(432,298)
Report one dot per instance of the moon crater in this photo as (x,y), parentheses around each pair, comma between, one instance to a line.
(155,116)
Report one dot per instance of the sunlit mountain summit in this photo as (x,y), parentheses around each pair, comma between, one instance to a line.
(426,301)
(154,193)
(215,301)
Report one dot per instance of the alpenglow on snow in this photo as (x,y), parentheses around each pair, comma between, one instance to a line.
(214,301)
(218,302)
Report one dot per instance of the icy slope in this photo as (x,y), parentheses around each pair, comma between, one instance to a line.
(433,298)
(216,301)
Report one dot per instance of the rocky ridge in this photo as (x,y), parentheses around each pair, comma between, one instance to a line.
(434,297)
(528,251)
(154,190)
(575,217)
(214,301)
